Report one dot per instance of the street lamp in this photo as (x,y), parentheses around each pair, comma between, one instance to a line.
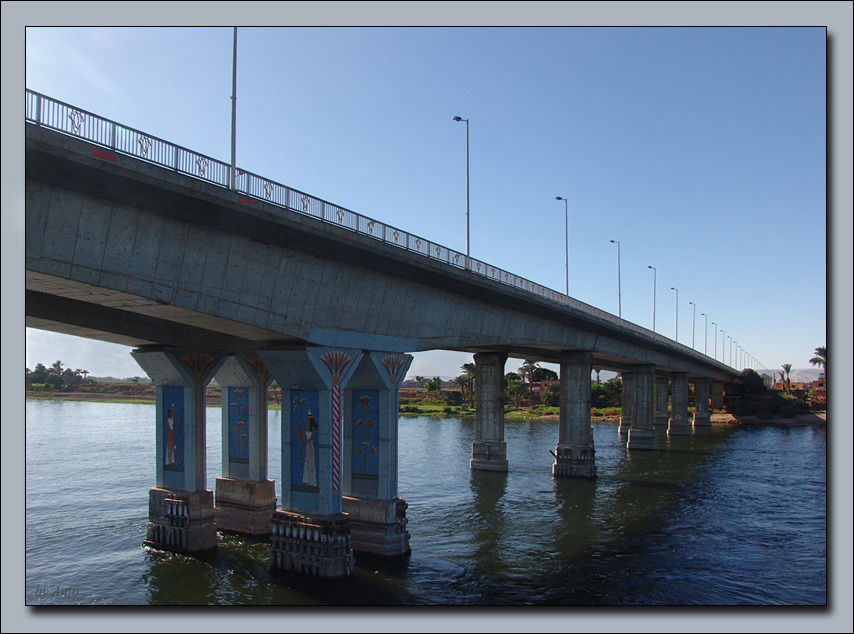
(723,346)
(233,112)
(677,313)
(619,283)
(468,246)
(654,282)
(566,218)
(693,324)
(715,328)
(705,334)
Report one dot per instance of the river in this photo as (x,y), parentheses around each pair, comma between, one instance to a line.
(736,516)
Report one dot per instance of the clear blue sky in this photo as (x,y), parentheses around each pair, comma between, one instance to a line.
(701,150)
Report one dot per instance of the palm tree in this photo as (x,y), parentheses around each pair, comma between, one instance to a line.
(788,368)
(820,358)
(470,372)
(527,372)
(462,381)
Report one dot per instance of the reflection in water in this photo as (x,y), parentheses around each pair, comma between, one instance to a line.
(734,516)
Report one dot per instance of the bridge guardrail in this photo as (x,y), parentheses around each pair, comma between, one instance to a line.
(65,118)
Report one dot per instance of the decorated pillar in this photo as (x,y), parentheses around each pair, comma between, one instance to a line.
(661,394)
(574,454)
(370,461)
(717,389)
(310,533)
(180,507)
(642,434)
(488,452)
(679,425)
(702,415)
(245,497)
(627,402)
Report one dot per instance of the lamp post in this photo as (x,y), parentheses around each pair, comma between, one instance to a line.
(233,112)
(619,282)
(715,328)
(676,339)
(468,245)
(705,334)
(723,346)
(566,219)
(654,283)
(693,324)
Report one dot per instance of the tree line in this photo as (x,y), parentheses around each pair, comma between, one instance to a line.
(55,378)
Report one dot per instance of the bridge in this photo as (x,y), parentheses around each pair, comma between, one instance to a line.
(133,240)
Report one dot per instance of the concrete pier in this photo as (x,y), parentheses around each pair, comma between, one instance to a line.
(180,510)
(627,404)
(679,424)
(702,415)
(717,389)
(311,534)
(370,475)
(574,454)
(661,397)
(245,498)
(488,451)
(642,434)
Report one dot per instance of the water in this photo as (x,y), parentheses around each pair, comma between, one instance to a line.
(733,517)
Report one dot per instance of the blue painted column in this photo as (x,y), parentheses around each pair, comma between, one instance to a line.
(180,507)
(310,533)
(370,461)
(245,497)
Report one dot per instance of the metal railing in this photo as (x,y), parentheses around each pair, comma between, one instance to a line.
(56,115)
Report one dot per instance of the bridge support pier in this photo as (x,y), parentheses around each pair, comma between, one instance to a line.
(310,533)
(489,453)
(717,389)
(679,425)
(627,402)
(377,515)
(642,434)
(661,394)
(245,498)
(180,508)
(574,454)
(702,416)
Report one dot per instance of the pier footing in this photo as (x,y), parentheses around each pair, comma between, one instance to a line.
(244,506)
(181,521)
(378,527)
(574,462)
(317,546)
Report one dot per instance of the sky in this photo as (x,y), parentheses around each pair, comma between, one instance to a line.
(701,151)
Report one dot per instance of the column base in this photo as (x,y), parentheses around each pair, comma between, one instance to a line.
(488,456)
(377,527)
(661,420)
(702,420)
(244,506)
(316,546)
(642,439)
(625,426)
(679,428)
(574,462)
(181,521)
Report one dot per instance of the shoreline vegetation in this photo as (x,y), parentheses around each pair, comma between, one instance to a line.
(426,405)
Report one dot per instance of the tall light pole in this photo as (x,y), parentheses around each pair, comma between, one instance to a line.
(705,334)
(566,218)
(619,282)
(234,113)
(677,313)
(468,245)
(715,328)
(693,324)
(654,283)
(723,346)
